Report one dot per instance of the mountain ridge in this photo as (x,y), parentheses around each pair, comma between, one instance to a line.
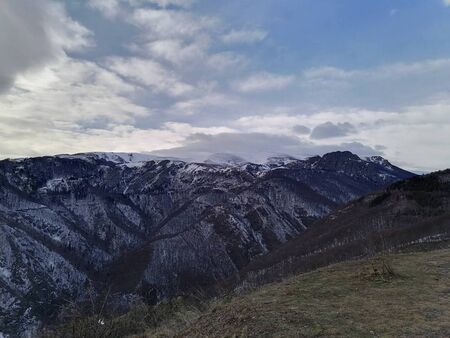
(408,214)
(169,226)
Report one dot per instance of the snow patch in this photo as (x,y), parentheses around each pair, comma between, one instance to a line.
(5,273)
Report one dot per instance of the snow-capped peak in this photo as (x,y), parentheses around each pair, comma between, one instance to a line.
(225,159)
(379,160)
(280,160)
(128,159)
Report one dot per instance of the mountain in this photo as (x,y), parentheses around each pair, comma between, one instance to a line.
(225,159)
(405,216)
(155,227)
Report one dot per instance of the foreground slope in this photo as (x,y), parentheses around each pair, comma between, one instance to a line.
(155,227)
(398,295)
(350,299)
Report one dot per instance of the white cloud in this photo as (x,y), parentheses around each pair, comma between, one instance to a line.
(66,33)
(191,56)
(164,24)
(109,8)
(71,92)
(382,72)
(244,36)
(446,2)
(263,81)
(112,8)
(204,103)
(149,73)
(20,138)
(177,51)
(167,3)
(270,124)
(387,87)
(226,60)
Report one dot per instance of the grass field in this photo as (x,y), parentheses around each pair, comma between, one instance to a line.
(352,299)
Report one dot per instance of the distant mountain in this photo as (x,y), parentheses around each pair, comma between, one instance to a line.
(129,159)
(410,214)
(155,227)
(225,159)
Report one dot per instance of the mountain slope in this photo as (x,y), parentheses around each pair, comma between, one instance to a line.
(408,214)
(154,227)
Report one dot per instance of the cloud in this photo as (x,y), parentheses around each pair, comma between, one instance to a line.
(19,138)
(446,2)
(244,36)
(263,81)
(394,133)
(70,95)
(176,3)
(177,51)
(256,147)
(204,103)
(32,33)
(112,8)
(383,72)
(164,24)
(390,86)
(185,82)
(149,73)
(66,34)
(193,54)
(225,60)
(271,123)
(109,8)
(330,130)
(301,130)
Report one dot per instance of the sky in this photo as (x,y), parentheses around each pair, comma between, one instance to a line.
(255,78)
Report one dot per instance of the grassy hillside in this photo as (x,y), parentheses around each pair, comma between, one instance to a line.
(352,299)
(402,295)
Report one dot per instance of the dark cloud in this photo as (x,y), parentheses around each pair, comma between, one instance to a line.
(256,147)
(328,130)
(24,41)
(301,130)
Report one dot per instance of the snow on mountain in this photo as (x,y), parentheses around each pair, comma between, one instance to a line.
(280,160)
(128,159)
(152,226)
(225,159)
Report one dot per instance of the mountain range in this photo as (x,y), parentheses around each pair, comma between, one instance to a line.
(152,228)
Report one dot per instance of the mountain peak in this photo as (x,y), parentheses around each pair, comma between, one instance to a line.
(280,160)
(341,155)
(225,159)
(379,160)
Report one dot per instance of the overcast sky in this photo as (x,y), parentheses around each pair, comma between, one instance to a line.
(251,77)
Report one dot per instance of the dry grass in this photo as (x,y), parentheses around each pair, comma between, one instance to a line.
(403,295)
(399,296)
(160,320)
